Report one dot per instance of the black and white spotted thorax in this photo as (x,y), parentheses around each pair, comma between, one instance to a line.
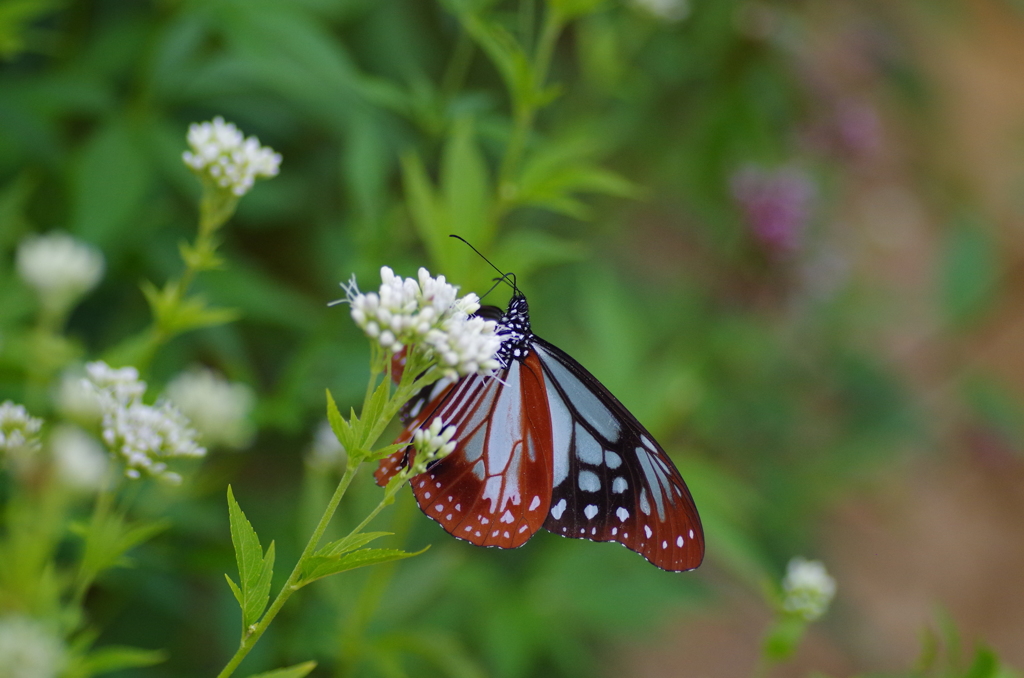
(514,326)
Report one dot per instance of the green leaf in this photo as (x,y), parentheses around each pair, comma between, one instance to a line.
(570,9)
(118,657)
(551,178)
(297,671)
(343,431)
(110,183)
(383,452)
(318,567)
(16,16)
(254,571)
(424,208)
(784,637)
(985,664)
(507,55)
(527,250)
(465,187)
(970,272)
(234,589)
(374,409)
(107,539)
(350,543)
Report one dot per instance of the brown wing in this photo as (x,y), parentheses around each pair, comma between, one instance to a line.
(495,488)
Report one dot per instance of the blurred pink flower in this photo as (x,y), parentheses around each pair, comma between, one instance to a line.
(775,203)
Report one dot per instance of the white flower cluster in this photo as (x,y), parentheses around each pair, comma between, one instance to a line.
(28,649)
(59,268)
(218,408)
(19,431)
(808,589)
(141,434)
(220,152)
(432,443)
(427,312)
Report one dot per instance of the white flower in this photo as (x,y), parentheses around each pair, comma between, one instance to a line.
(79,459)
(325,452)
(667,10)
(114,386)
(142,435)
(808,589)
(219,409)
(428,313)
(432,444)
(77,400)
(59,268)
(28,649)
(19,431)
(466,346)
(220,153)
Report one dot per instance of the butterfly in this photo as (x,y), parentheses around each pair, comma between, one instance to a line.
(543,443)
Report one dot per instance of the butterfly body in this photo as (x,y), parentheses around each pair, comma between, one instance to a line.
(543,443)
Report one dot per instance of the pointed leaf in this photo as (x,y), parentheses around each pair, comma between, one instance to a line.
(297,671)
(383,452)
(319,567)
(261,592)
(251,565)
(374,409)
(350,543)
(424,208)
(342,429)
(118,657)
(234,589)
(464,185)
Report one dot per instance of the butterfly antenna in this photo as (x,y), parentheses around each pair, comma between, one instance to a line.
(504,276)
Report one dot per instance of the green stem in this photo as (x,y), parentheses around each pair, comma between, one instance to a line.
(458,67)
(526,109)
(101,509)
(291,586)
(408,385)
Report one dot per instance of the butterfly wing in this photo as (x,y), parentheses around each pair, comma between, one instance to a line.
(494,489)
(611,480)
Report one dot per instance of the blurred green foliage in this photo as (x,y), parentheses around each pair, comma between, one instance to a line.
(586,146)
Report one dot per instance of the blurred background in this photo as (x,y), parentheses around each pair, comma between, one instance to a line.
(785,234)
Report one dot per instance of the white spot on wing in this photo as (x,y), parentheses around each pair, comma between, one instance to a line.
(679,540)
(645,505)
(557,509)
(535,503)
(589,482)
(588,450)
(590,511)
(491,491)
(621,513)
(619,485)
(647,531)
(612,459)
(506,517)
